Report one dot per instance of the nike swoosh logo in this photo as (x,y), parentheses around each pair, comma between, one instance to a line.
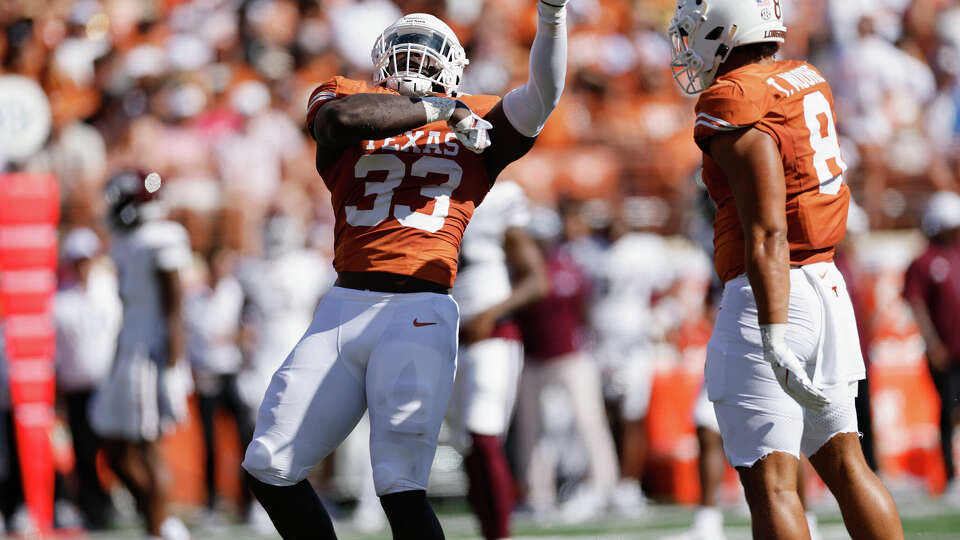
(419,324)
(823,275)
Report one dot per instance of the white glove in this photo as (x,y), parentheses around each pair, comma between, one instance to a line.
(472,133)
(788,369)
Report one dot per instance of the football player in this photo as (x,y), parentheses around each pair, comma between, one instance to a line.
(501,271)
(145,395)
(406,160)
(784,360)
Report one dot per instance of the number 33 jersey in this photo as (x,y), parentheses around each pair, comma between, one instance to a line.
(791,102)
(402,203)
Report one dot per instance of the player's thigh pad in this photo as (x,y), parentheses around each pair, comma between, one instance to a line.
(838,417)
(488,373)
(312,403)
(409,380)
(755,416)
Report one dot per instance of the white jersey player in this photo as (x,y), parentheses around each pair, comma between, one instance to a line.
(634,269)
(500,271)
(146,393)
(135,403)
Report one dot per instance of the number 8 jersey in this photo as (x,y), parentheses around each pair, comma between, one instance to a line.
(402,203)
(790,101)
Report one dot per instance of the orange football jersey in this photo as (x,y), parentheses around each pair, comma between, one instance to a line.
(402,203)
(790,101)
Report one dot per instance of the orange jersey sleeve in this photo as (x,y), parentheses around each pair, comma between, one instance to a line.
(791,102)
(402,203)
(727,106)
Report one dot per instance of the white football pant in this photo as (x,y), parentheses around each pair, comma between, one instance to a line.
(755,416)
(488,374)
(394,354)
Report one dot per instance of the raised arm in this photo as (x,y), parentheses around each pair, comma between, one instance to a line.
(751,162)
(518,119)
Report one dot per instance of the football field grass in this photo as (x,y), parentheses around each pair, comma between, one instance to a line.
(926,519)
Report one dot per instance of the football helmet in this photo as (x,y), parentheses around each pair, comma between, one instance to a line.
(704,32)
(129,202)
(419,54)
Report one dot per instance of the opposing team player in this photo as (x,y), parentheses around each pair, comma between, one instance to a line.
(146,393)
(407,160)
(501,271)
(784,359)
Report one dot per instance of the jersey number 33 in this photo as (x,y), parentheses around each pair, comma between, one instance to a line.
(397,170)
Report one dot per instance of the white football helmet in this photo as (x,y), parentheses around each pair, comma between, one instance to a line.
(704,32)
(418,54)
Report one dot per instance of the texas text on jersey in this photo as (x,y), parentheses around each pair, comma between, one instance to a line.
(791,102)
(395,197)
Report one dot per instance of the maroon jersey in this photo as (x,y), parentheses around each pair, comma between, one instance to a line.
(557,325)
(934,279)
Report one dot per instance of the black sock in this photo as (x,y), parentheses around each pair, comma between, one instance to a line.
(411,517)
(296,511)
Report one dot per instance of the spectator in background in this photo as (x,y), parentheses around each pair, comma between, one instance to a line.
(87,315)
(555,333)
(145,396)
(212,313)
(932,287)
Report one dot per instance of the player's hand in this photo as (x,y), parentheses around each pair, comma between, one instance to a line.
(938,356)
(478,328)
(789,369)
(471,130)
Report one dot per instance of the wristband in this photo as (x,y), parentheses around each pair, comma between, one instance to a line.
(773,335)
(438,108)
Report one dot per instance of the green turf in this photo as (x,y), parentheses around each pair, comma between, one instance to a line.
(928,520)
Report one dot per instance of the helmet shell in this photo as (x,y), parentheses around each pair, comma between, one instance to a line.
(126,197)
(417,55)
(704,32)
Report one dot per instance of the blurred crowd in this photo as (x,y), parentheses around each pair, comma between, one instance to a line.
(211,95)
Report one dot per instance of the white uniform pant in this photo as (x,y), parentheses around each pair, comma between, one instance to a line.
(577,374)
(394,354)
(144,398)
(755,416)
(488,373)
(703,413)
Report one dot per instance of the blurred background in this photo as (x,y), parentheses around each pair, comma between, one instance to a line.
(211,94)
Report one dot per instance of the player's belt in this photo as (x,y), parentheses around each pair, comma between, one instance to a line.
(386,282)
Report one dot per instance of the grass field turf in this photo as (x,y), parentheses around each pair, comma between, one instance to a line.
(925,519)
